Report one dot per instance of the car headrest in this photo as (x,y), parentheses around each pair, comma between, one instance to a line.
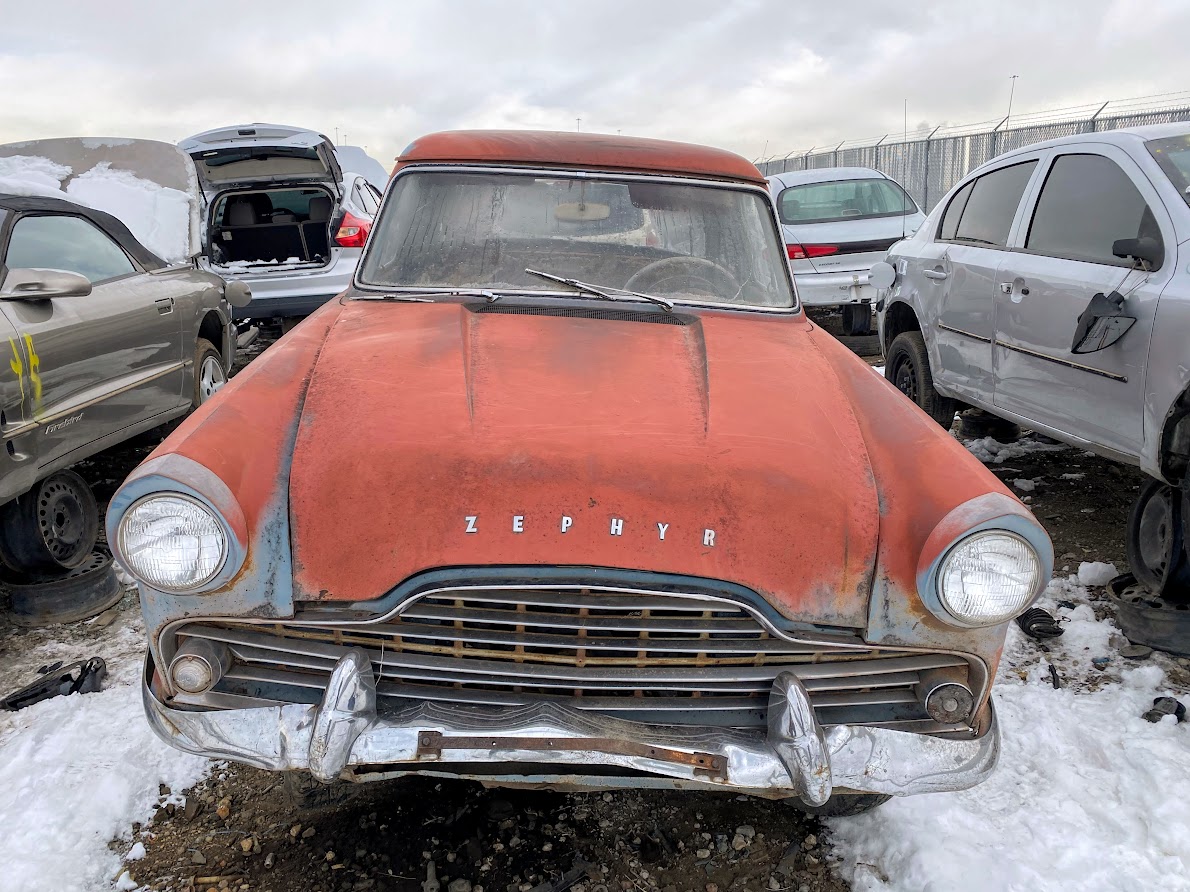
(320,209)
(240,212)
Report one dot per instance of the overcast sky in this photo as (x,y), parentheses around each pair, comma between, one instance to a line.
(757,77)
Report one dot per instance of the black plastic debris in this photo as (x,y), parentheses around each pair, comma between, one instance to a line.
(83,677)
(1039,624)
(1164,706)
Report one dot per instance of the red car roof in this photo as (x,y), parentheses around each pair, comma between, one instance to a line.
(595,151)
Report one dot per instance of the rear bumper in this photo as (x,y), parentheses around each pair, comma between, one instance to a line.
(292,291)
(549,745)
(834,289)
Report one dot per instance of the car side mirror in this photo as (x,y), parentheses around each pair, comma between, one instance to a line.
(1147,250)
(238,294)
(42,284)
(1101,324)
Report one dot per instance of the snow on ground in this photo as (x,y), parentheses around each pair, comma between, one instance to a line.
(77,771)
(1087,795)
(989,450)
(158,216)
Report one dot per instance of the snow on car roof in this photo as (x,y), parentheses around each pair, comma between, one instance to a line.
(596,151)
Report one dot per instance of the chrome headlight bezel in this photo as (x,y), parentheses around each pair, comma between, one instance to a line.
(211,579)
(950,614)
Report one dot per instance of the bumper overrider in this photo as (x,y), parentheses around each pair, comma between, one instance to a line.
(345,737)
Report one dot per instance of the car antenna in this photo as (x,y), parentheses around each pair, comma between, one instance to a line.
(904,165)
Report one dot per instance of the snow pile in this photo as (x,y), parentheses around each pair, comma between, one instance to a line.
(989,450)
(31,175)
(1024,484)
(1096,573)
(159,217)
(1087,795)
(76,772)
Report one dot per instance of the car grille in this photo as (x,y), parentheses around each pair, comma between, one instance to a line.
(656,657)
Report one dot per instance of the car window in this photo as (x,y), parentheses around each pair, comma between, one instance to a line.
(1086,204)
(1173,155)
(986,215)
(954,211)
(363,198)
(842,200)
(59,241)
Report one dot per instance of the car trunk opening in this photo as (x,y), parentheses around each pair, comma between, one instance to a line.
(272,226)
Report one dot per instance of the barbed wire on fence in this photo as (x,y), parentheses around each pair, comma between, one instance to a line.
(927,162)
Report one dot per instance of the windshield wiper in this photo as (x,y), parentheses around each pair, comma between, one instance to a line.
(607,292)
(422,298)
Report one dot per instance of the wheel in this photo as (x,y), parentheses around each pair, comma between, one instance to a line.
(52,527)
(857,319)
(684,274)
(907,366)
(209,375)
(67,597)
(1155,537)
(843,805)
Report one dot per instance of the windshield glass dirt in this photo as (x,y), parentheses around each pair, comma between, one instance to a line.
(701,244)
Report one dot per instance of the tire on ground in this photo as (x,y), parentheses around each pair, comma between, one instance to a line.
(52,527)
(857,319)
(907,366)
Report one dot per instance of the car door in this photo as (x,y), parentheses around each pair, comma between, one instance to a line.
(91,365)
(1090,196)
(961,269)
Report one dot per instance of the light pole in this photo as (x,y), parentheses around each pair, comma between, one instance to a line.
(1011,91)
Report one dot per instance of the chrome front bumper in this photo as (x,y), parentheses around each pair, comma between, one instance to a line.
(344,737)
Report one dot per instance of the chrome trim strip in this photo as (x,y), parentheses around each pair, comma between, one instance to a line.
(1066,362)
(966,334)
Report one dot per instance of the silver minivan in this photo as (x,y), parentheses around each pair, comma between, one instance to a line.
(1051,288)
(282,213)
(837,222)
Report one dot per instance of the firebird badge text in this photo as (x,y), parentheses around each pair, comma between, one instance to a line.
(615,527)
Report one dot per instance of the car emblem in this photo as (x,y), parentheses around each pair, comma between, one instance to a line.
(566,522)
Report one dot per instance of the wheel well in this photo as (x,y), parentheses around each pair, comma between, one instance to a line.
(898,319)
(212,329)
(1175,440)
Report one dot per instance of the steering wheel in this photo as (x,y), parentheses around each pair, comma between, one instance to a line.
(691,275)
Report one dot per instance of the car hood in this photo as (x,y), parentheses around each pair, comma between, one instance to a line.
(439,435)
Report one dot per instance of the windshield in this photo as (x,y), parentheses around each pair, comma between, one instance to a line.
(1173,156)
(844,200)
(702,244)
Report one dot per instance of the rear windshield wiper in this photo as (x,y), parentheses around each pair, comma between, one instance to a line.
(607,292)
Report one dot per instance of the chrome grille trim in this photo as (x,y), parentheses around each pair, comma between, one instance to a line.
(649,656)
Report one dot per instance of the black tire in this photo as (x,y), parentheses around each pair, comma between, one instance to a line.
(907,366)
(66,597)
(51,528)
(843,805)
(857,319)
(209,374)
(1154,534)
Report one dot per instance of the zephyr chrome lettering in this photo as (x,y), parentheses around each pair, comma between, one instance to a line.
(661,528)
(471,523)
(566,522)
(708,538)
(518,523)
(617,527)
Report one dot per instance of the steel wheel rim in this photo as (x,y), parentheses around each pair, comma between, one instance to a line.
(906,379)
(1154,531)
(210,378)
(61,519)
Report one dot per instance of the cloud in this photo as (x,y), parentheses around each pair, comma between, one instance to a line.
(754,77)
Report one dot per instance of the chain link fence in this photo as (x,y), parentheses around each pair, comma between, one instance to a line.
(928,163)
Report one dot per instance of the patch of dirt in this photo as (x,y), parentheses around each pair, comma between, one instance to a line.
(240,831)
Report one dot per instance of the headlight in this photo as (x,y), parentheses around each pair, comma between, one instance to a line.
(172,542)
(988,578)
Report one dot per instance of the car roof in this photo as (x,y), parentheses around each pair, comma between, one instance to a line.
(109,224)
(826,175)
(592,151)
(1125,137)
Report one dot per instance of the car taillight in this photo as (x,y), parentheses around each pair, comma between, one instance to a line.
(801,252)
(353,232)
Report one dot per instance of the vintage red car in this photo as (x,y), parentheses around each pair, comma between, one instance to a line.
(566,490)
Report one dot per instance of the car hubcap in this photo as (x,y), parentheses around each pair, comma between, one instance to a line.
(61,519)
(210,378)
(1155,529)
